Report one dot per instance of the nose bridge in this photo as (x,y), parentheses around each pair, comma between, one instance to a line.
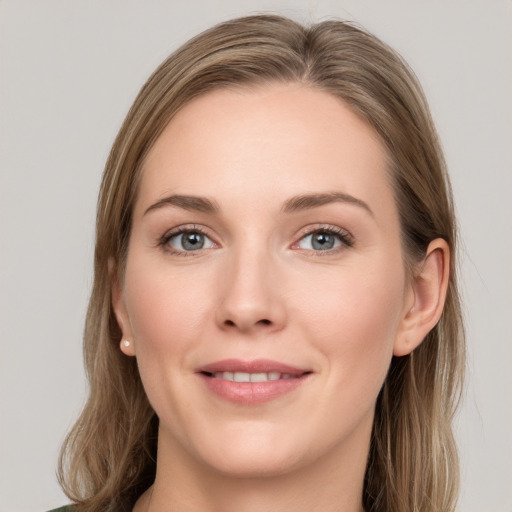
(250,298)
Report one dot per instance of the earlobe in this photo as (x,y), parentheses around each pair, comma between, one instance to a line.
(126,344)
(428,289)
(127,348)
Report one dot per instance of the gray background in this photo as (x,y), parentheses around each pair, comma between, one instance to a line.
(69,70)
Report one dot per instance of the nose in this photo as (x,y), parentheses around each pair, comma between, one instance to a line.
(251,298)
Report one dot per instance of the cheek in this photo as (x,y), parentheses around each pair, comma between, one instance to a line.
(354,318)
(167,312)
(162,304)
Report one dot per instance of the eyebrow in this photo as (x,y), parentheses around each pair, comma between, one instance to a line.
(294,204)
(192,203)
(307,201)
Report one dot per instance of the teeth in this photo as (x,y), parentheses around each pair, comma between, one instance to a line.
(259,377)
(241,377)
(252,377)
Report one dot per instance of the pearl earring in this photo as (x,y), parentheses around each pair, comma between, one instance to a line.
(126,343)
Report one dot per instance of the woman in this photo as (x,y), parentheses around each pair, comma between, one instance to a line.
(274,322)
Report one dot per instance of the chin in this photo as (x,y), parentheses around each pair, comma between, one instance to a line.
(264,465)
(253,453)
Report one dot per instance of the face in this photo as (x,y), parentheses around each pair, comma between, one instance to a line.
(264,289)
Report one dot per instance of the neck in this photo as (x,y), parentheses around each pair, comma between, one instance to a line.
(332,483)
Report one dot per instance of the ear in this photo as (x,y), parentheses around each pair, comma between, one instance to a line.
(120,311)
(425,298)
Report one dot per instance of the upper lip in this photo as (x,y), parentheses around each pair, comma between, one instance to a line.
(254,366)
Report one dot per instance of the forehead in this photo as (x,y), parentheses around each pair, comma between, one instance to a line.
(282,138)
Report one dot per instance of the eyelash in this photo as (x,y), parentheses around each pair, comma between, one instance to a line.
(165,239)
(343,236)
(346,239)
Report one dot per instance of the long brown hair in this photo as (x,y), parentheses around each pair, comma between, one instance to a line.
(109,457)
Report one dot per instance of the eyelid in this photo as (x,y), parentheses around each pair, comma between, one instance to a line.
(346,238)
(163,241)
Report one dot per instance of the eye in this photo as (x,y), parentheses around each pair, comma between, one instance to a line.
(324,240)
(188,241)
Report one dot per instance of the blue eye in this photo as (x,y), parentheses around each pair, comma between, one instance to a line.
(323,240)
(191,240)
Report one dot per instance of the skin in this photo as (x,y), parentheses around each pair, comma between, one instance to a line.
(259,289)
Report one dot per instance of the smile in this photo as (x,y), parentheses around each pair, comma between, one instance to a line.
(252,377)
(251,382)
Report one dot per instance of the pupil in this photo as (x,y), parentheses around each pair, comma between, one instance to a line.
(323,241)
(193,241)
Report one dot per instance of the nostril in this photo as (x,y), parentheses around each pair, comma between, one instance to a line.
(263,321)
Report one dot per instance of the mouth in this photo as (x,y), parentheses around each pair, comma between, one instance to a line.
(252,377)
(251,382)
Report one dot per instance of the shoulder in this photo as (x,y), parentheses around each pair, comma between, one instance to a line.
(67,508)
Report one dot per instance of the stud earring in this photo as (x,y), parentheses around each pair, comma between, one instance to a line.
(125,343)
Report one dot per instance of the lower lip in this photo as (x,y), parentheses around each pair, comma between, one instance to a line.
(251,393)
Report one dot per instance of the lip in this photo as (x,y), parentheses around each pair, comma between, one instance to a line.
(252,393)
(254,366)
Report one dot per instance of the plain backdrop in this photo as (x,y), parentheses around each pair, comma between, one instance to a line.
(69,70)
